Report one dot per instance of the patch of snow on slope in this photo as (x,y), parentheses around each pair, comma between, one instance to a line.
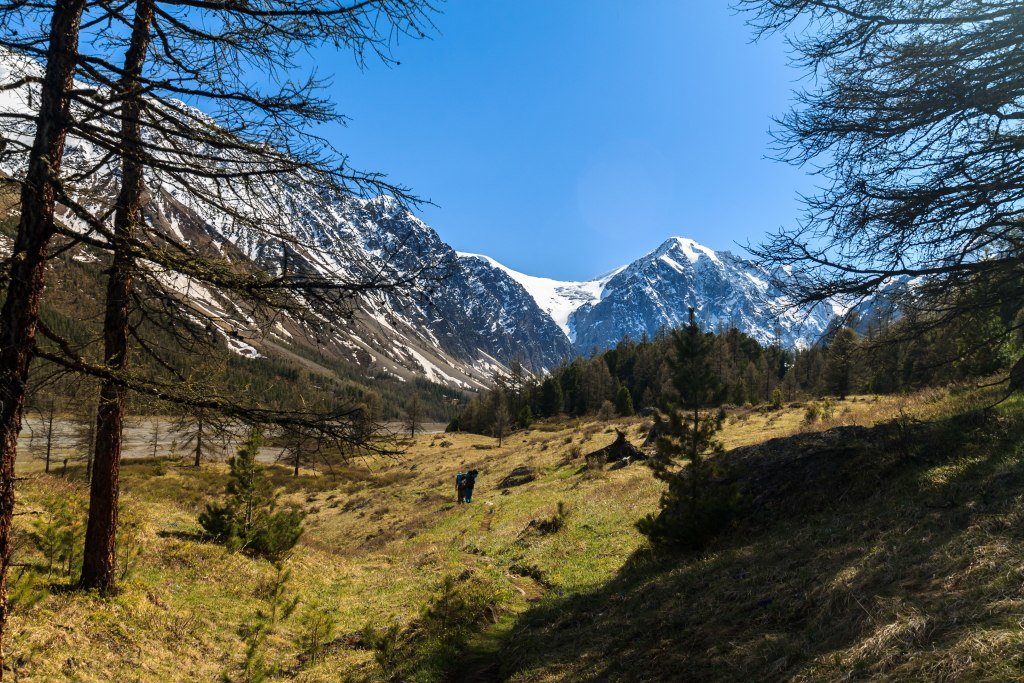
(668,261)
(241,348)
(434,373)
(693,250)
(557,298)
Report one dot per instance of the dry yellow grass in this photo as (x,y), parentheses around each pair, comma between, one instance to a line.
(379,540)
(745,427)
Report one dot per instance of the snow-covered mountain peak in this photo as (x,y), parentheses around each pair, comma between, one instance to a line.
(690,249)
(655,292)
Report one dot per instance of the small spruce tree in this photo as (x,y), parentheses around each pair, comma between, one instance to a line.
(691,513)
(248,519)
(624,402)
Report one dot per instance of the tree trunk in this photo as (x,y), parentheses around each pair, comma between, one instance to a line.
(1017,376)
(695,465)
(199,441)
(49,435)
(20,313)
(98,562)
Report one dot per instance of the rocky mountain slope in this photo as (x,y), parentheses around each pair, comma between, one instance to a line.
(468,316)
(456,326)
(656,291)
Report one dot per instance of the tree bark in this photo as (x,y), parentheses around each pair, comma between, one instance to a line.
(199,441)
(49,434)
(99,559)
(19,316)
(695,463)
(1017,376)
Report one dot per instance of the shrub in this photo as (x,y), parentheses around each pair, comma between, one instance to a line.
(687,521)
(606,411)
(258,628)
(550,525)
(828,410)
(430,647)
(777,399)
(824,411)
(387,649)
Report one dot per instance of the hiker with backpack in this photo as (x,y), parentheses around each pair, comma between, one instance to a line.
(460,486)
(469,482)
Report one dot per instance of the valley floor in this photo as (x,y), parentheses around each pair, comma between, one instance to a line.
(899,554)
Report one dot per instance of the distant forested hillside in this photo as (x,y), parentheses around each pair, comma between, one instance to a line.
(899,353)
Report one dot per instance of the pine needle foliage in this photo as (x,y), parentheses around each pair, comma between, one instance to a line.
(691,510)
(248,520)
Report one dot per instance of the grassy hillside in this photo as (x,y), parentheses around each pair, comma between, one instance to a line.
(896,552)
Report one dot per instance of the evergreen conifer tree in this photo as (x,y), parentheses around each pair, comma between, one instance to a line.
(841,363)
(551,397)
(248,520)
(690,512)
(624,402)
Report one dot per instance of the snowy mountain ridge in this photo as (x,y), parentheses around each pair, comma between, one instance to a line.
(469,317)
(656,291)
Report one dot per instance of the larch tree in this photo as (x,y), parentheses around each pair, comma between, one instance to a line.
(100,536)
(501,417)
(245,144)
(413,415)
(267,34)
(202,433)
(56,26)
(914,114)
(300,448)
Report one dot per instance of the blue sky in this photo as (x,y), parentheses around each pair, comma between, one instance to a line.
(567,137)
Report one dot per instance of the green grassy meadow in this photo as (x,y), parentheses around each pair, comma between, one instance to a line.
(899,562)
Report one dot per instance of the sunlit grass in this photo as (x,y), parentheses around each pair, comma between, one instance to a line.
(382,535)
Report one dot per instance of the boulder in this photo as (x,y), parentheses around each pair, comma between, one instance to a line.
(652,435)
(619,450)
